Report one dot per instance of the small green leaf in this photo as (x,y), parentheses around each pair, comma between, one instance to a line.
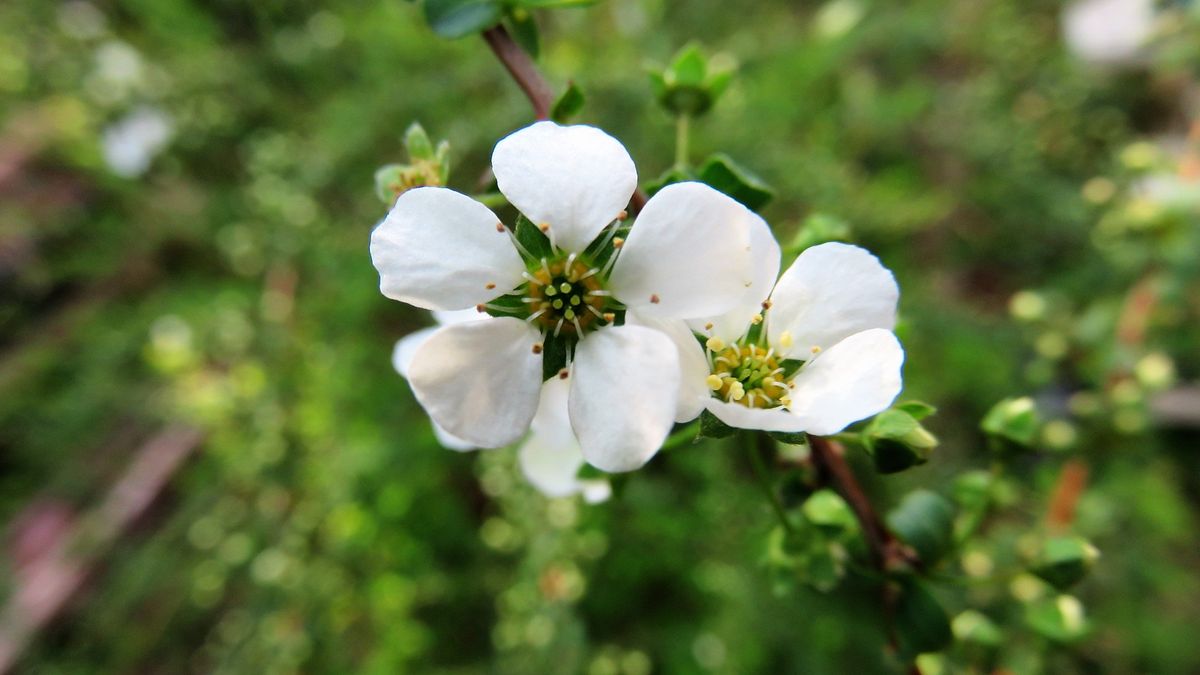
(974,627)
(1064,561)
(668,177)
(459,18)
(1060,619)
(1012,424)
(925,521)
(819,228)
(726,175)
(555,351)
(789,437)
(828,511)
(918,409)
(921,623)
(535,242)
(568,105)
(711,427)
(525,31)
(897,441)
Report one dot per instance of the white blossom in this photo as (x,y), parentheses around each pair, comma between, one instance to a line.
(687,255)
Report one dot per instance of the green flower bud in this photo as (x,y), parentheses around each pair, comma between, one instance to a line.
(693,82)
(1012,424)
(1064,561)
(897,441)
(426,167)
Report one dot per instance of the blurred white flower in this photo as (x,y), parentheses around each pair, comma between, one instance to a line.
(833,310)
(132,142)
(1108,32)
(687,255)
(550,456)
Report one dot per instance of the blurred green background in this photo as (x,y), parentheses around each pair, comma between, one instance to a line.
(207,463)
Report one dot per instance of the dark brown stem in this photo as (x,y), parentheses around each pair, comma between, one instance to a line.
(537,90)
(522,69)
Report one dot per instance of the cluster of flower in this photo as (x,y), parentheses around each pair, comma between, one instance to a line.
(600,335)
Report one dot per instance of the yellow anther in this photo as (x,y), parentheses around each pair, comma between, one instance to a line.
(622,215)
(489,286)
(610,317)
(815,349)
(618,242)
(785,339)
(786,401)
(756,319)
(714,382)
(654,299)
(715,344)
(768,382)
(736,391)
(544,227)
(708,326)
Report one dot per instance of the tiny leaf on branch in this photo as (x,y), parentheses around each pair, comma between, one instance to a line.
(925,521)
(568,104)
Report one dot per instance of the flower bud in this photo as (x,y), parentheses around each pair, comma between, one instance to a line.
(1012,424)
(1064,561)
(427,166)
(693,82)
(897,441)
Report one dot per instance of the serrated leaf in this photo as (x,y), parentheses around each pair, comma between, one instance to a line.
(459,18)
(921,623)
(525,31)
(925,521)
(536,243)
(722,173)
(711,427)
(568,104)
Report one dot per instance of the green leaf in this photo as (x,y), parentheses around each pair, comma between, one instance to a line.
(1060,619)
(789,437)
(1064,561)
(568,104)
(1012,424)
(921,623)
(668,177)
(711,427)
(525,31)
(555,351)
(721,172)
(536,243)
(974,627)
(689,67)
(828,511)
(459,18)
(925,521)
(819,228)
(918,409)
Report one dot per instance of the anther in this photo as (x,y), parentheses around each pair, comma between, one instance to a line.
(708,326)
(714,382)
(785,339)
(766,304)
(544,227)
(618,242)
(736,391)
(500,227)
(654,299)
(609,317)
(715,344)
(480,308)
(815,349)
(622,215)
(564,374)
(489,286)
(537,348)
(756,319)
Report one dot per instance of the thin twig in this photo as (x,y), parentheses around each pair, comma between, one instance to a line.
(522,69)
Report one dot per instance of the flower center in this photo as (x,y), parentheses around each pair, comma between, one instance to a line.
(566,296)
(747,374)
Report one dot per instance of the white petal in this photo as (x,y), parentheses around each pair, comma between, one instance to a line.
(480,380)
(693,364)
(550,458)
(439,249)
(449,440)
(624,385)
(764,257)
(448,317)
(596,490)
(831,292)
(576,179)
(687,255)
(852,380)
(402,353)
(742,417)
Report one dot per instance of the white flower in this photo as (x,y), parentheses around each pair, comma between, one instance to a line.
(833,309)
(686,256)
(1108,31)
(550,456)
(132,142)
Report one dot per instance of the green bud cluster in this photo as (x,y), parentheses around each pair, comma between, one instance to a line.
(693,82)
(427,166)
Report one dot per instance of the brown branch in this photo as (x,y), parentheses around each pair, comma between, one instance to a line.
(537,90)
(1071,484)
(522,69)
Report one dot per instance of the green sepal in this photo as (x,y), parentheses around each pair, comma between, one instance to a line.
(789,437)
(819,228)
(524,30)
(1012,424)
(459,18)
(922,625)
(536,243)
(790,366)
(925,521)
(692,83)
(555,353)
(568,105)
(442,157)
(711,427)
(389,182)
(896,441)
(720,172)
(417,142)
(1064,561)
(601,249)
(918,409)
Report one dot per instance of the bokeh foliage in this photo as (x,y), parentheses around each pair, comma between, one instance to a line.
(321,529)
